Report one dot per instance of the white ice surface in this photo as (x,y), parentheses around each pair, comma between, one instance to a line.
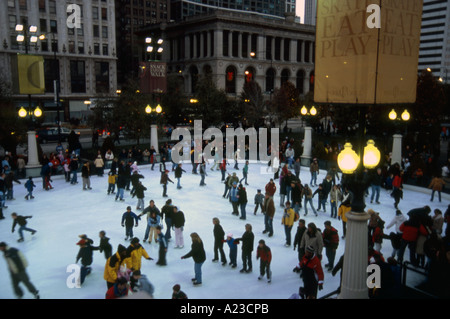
(61,214)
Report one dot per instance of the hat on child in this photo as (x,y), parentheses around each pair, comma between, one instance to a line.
(310,249)
(230,235)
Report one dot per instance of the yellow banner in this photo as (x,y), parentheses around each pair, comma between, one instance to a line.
(367,56)
(30,74)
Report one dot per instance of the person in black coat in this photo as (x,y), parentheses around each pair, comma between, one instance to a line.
(219,235)
(178,173)
(242,201)
(135,179)
(22,222)
(178,221)
(85,254)
(247,239)
(105,246)
(198,254)
(121,184)
(167,213)
(73,166)
(298,238)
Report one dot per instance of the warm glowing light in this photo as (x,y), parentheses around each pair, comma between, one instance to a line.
(406,116)
(19,27)
(160,41)
(149,48)
(313,111)
(371,155)
(160,50)
(42,37)
(252,54)
(348,160)
(148,40)
(393,115)
(304,110)
(193,101)
(20,38)
(148,109)
(158,109)
(22,112)
(38,112)
(33,39)
(33,28)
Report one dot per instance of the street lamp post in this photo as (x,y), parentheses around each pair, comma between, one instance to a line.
(154,47)
(397,137)
(154,127)
(351,163)
(27,35)
(307,140)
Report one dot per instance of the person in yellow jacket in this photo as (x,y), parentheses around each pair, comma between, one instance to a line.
(288,221)
(112,177)
(113,265)
(134,254)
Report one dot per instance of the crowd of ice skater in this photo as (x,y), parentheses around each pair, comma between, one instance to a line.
(423,234)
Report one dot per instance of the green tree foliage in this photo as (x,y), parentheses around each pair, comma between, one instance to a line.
(174,102)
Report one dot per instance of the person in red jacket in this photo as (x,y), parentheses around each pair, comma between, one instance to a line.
(331,243)
(410,233)
(265,254)
(271,188)
(397,185)
(120,289)
(312,274)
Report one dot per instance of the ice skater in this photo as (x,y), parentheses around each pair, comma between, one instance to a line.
(129,220)
(29,185)
(265,255)
(22,221)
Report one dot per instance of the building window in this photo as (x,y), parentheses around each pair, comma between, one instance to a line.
(77,77)
(81,47)
(96,31)
(41,5)
(102,77)
(249,74)
(95,13)
(96,48)
(104,32)
(80,31)
(53,26)
(51,71)
(71,31)
(11,3)
(71,46)
(105,49)
(12,22)
(52,6)
(43,25)
(230,80)
(23,4)
(300,80)
(104,14)
(44,45)
(311,81)
(285,74)
(225,41)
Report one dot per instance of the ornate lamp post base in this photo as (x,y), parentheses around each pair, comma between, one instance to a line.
(33,167)
(305,159)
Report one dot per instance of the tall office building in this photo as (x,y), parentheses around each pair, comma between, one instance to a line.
(130,16)
(82,59)
(435,39)
(270,8)
(310,12)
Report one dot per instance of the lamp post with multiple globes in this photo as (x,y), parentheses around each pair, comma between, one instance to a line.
(154,127)
(307,115)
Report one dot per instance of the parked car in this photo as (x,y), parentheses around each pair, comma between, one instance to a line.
(50,134)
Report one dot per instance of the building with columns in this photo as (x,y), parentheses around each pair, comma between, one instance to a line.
(238,47)
(82,59)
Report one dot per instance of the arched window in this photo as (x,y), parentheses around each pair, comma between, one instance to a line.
(193,71)
(207,70)
(230,79)
(270,80)
(249,74)
(311,81)
(300,80)
(285,74)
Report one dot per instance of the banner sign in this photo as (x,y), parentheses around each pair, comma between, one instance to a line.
(28,74)
(153,77)
(367,51)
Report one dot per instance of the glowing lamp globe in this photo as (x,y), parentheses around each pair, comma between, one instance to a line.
(148,109)
(158,109)
(38,112)
(304,111)
(371,155)
(406,116)
(22,112)
(348,160)
(313,111)
(393,115)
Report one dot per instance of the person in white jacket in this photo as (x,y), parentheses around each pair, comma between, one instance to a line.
(396,237)
(290,153)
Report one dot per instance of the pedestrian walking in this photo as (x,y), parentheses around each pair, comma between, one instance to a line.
(218,242)
(245,173)
(314,170)
(271,188)
(178,221)
(22,222)
(163,246)
(436,185)
(198,254)
(247,239)
(139,193)
(74,165)
(233,250)
(99,165)
(129,220)
(104,247)
(297,166)
(335,198)
(307,194)
(331,243)
(135,251)
(269,213)
(112,178)
(344,208)
(17,264)
(288,221)
(153,221)
(223,168)
(234,199)
(29,185)
(242,201)
(312,274)
(164,180)
(313,238)
(203,173)
(259,201)
(85,254)
(301,229)
(322,200)
(167,213)
(178,173)
(85,175)
(377,181)
(264,253)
